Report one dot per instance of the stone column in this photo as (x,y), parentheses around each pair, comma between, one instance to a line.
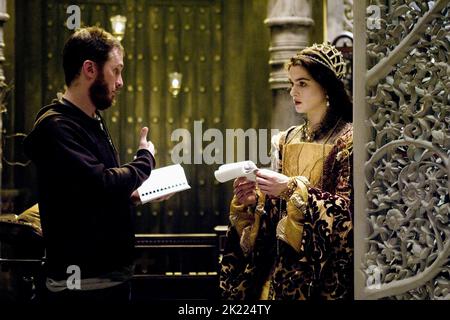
(3,88)
(290,23)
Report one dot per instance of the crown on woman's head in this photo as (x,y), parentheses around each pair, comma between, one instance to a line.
(327,55)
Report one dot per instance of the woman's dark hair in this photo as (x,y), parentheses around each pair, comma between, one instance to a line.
(91,43)
(340,103)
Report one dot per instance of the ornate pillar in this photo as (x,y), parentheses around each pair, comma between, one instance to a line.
(3,87)
(290,23)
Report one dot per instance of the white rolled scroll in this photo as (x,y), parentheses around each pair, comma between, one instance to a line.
(235,170)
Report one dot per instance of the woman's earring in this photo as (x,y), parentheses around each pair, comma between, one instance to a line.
(328,101)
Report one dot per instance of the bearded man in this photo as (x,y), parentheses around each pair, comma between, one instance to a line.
(85,197)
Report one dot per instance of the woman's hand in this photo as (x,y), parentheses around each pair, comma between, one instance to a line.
(245,191)
(270,182)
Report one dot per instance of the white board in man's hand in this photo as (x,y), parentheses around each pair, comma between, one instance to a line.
(163,181)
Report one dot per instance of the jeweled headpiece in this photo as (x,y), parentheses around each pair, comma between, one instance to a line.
(325,54)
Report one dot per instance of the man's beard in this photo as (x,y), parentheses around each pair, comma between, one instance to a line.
(99,93)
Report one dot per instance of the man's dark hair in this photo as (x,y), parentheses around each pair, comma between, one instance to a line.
(90,43)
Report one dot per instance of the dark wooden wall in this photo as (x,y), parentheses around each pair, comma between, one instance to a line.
(220,47)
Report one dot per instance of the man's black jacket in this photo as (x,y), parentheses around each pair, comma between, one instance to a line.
(83,192)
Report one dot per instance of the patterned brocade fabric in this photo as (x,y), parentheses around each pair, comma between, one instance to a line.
(302,245)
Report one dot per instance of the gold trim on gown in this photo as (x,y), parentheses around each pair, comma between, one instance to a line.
(301,159)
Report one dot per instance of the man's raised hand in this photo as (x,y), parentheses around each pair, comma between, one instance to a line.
(144,144)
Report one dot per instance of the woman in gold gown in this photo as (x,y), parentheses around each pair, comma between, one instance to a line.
(291,233)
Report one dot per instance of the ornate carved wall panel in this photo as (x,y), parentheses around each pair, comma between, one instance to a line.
(406,221)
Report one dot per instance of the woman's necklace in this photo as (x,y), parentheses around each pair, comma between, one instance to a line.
(307,136)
